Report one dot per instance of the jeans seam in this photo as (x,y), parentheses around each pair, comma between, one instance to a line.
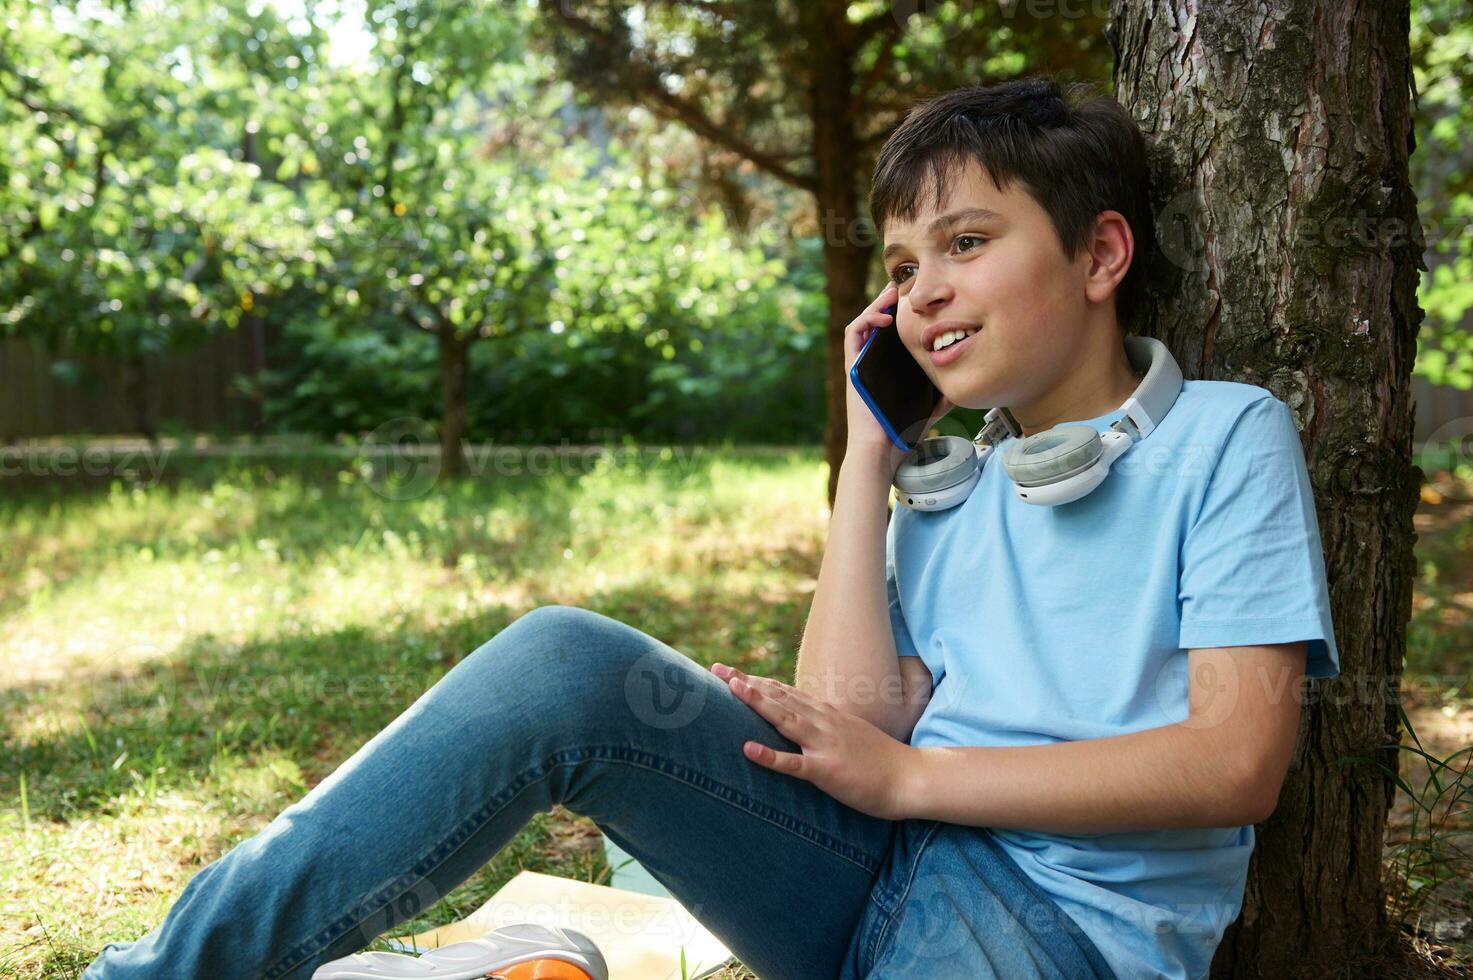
(1084,941)
(472,824)
(889,918)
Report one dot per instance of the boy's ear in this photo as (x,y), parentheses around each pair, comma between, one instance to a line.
(1111,247)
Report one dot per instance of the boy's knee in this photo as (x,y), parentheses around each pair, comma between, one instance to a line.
(561,618)
(569,631)
(593,664)
(572,645)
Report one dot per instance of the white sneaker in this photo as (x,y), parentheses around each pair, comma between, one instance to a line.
(564,954)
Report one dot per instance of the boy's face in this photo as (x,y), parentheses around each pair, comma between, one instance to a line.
(1004,272)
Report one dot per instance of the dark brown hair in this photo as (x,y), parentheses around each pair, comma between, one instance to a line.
(1076,152)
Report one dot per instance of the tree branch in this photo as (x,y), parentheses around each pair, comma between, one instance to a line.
(871,77)
(725,11)
(892,19)
(646,79)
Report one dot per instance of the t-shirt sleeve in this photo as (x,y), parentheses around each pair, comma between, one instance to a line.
(1252,567)
(904,645)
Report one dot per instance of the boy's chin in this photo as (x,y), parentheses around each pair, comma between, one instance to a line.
(969,398)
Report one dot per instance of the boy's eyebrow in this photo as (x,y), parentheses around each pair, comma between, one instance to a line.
(946,221)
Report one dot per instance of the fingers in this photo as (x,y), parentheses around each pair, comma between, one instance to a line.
(773,688)
(788,709)
(787,762)
(886,297)
(762,694)
(872,316)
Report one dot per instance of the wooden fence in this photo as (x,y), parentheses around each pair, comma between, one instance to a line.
(192,391)
(189,390)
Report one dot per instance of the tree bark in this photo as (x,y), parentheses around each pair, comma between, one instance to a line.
(454,366)
(1290,250)
(847,244)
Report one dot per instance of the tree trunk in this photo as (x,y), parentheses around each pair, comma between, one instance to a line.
(1290,251)
(252,321)
(138,394)
(847,244)
(257,328)
(454,364)
(845,269)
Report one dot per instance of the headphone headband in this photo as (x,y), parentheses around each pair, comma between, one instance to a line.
(1055,466)
(1156,393)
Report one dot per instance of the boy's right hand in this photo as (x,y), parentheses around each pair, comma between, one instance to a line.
(867,438)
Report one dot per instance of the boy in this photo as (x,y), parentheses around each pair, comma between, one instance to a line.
(1111,686)
(999,770)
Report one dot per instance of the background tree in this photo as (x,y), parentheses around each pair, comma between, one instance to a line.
(409,219)
(806,92)
(456,194)
(1290,259)
(1442,173)
(105,247)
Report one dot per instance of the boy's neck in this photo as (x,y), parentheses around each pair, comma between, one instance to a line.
(1099,383)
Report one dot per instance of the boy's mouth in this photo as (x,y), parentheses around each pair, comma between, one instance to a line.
(953,350)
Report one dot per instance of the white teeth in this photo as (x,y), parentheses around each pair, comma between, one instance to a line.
(945,340)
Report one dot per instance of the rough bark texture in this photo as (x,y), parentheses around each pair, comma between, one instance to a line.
(1280,133)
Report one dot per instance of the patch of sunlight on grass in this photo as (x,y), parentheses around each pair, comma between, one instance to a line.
(117,873)
(179,663)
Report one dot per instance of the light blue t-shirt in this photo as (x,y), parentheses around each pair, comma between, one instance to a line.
(1048,624)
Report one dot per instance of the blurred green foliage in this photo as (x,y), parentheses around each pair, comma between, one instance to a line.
(399,191)
(1442,174)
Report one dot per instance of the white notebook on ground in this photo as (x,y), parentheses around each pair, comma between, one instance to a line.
(641,936)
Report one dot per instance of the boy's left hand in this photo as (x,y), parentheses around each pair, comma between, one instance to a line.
(845,756)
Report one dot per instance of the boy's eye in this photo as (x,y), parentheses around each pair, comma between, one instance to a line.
(962,243)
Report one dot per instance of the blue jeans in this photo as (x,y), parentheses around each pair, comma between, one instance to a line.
(568,706)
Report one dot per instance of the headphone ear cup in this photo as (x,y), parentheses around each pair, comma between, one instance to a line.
(1052,455)
(942,468)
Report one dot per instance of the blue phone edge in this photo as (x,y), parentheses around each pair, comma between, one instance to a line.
(865,395)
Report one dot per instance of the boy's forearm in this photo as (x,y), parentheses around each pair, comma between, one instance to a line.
(847,654)
(1172,776)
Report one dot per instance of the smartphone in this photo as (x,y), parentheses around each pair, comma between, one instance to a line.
(893,385)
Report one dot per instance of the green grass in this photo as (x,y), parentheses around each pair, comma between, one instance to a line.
(1429,846)
(179,663)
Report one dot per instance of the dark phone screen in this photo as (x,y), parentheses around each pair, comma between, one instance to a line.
(898,387)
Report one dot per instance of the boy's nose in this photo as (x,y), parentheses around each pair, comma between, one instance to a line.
(928,294)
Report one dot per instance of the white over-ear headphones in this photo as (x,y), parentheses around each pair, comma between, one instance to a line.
(1048,468)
